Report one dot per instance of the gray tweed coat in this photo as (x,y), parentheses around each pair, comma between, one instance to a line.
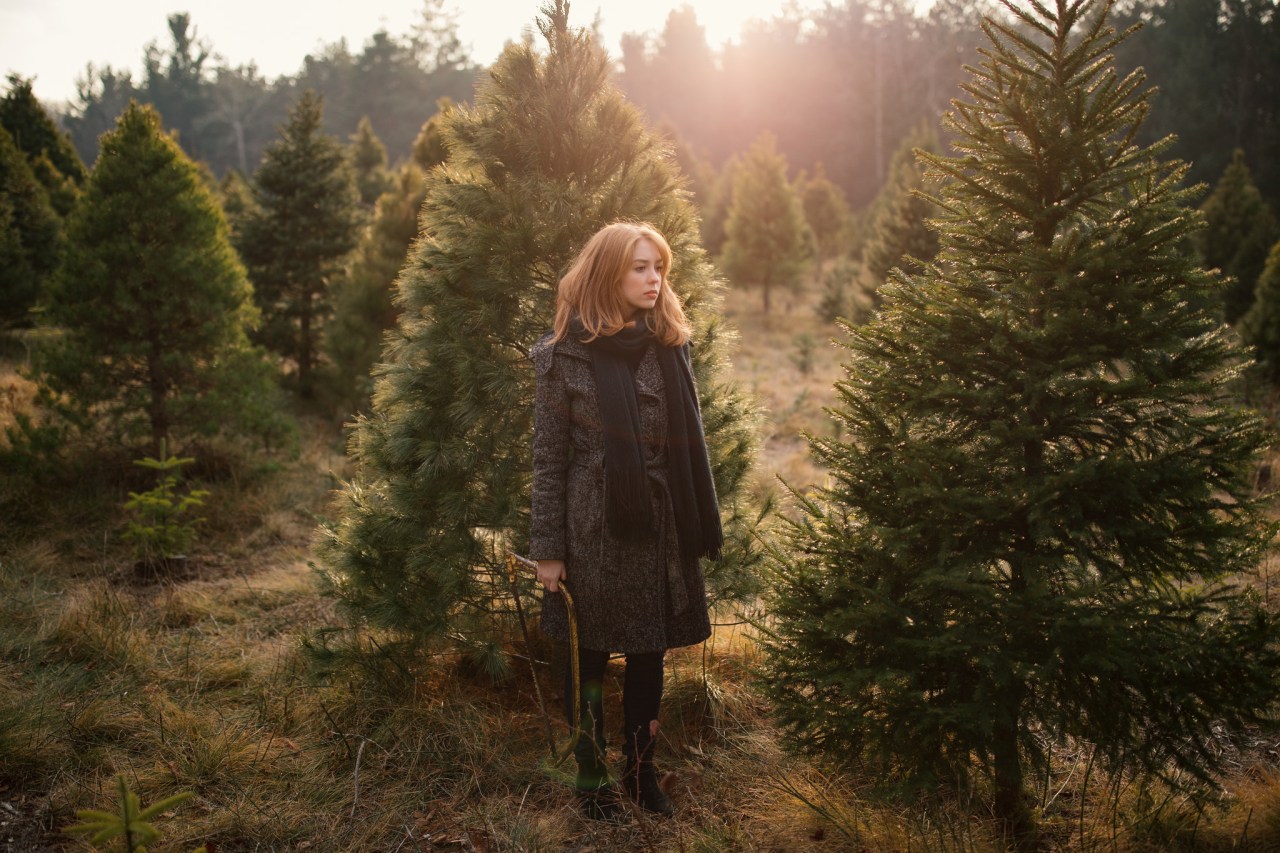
(631,596)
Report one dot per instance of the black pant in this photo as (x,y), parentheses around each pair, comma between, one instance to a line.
(641,697)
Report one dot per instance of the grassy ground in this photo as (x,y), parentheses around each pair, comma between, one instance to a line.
(197,682)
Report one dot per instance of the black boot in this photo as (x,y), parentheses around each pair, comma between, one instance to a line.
(640,780)
(596,793)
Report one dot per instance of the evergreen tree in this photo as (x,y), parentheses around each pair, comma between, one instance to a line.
(238,204)
(30,235)
(549,153)
(362,298)
(369,161)
(825,210)
(1260,327)
(717,197)
(1039,504)
(48,150)
(152,301)
(429,148)
(899,236)
(304,223)
(767,241)
(1240,230)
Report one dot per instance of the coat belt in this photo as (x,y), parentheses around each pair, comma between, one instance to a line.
(674,568)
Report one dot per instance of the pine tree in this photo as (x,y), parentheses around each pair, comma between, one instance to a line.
(151,299)
(899,236)
(1260,327)
(30,236)
(369,161)
(825,210)
(717,197)
(767,240)
(362,298)
(429,148)
(549,153)
(238,205)
(1240,230)
(304,224)
(48,150)
(1038,506)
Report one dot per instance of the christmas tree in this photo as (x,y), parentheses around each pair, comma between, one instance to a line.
(767,241)
(549,153)
(369,161)
(362,304)
(1240,228)
(30,235)
(825,210)
(899,234)
(304,222)
(48,150)
(1260,328)
(152,301)
(1038,505)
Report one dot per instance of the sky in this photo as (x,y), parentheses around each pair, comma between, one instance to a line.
(52,40)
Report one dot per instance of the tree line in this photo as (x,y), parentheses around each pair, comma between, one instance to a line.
(226,117)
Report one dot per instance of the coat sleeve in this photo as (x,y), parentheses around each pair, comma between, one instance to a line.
(550,458)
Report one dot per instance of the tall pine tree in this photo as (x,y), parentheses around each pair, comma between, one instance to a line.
(1039,504)
(362,298)
(767,241)
(825,210)
(152,301)
(899,236)
(549,153)
(48,150)
(1260,327)
(1240,228)
(369,161)
(30,236)
(305,221)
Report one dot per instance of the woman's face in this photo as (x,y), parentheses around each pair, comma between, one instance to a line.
(643,280)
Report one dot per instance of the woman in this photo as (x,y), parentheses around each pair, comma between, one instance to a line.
(623,501)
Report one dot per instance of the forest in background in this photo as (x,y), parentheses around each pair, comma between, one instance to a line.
(841,86)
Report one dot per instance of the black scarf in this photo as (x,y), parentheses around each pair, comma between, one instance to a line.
(693,494)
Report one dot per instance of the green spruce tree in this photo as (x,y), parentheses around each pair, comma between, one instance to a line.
(767,241)
(303,225)
(825,210)
(1260,327)
(549,153)
(369,161)
(1240,230)
(48,150)
(362,298)
(238,204)
(429,148)
(899,236)
(30,236)
(1039,503)
(152,300)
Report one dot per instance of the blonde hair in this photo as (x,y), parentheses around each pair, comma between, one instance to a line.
(591,290)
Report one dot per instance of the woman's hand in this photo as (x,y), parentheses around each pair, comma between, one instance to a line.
(550,573)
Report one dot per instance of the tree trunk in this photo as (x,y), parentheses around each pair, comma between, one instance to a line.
(1015,818)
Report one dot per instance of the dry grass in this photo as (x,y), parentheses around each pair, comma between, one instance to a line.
(793,387)
(198,683)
